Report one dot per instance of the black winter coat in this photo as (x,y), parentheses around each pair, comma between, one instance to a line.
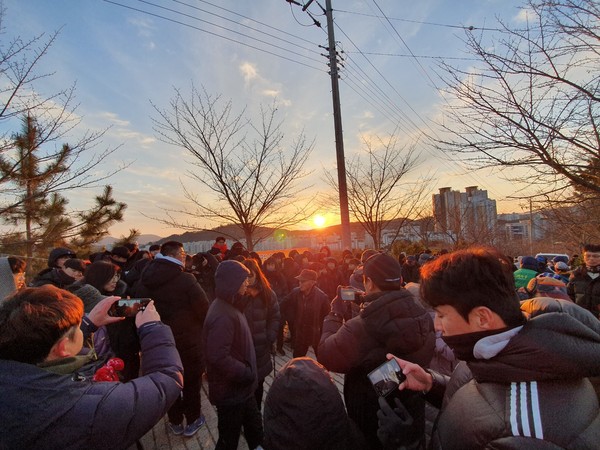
(585,291)
(179,299)
(307,314)
(263,320)
(390,322)
(229,355)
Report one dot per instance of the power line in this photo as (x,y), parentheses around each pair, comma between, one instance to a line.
(226,29)
(462,27)
(245,26)
(259,22)
(424,71)
(417,56)
(216,35)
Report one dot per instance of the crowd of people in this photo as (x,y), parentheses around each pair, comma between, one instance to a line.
(509,355)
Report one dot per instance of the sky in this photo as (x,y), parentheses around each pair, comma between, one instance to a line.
(126,55)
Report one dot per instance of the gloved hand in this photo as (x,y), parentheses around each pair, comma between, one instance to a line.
(395,425)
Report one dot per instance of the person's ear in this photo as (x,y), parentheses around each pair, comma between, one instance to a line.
(59,349)
(483,318)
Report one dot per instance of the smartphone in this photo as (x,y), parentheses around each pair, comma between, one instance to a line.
(387,377)
(348,294)
(128,307)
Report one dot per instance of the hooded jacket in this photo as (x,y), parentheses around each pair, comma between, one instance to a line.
(45,410)
(532,391)
(304,410)
(227,345)
(179,299)
(390,322)
(7,280)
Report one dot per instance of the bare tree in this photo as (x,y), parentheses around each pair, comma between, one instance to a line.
(378,190)
(247,166)
(533,99)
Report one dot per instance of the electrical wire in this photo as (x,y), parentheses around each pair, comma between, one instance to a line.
(215,34)
(227,29)
(462,27)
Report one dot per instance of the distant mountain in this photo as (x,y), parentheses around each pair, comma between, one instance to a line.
(108,241)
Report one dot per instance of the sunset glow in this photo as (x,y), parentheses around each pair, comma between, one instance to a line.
(319,221)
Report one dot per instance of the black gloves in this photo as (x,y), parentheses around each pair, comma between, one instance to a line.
(395,425)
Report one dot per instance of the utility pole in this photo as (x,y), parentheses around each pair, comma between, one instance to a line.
(337,123)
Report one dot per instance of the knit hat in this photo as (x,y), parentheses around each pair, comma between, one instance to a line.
(229,277)
(57,253)
(384,270)
(529,262)
(547,287)
(89,295)
(304,409)
(561,266)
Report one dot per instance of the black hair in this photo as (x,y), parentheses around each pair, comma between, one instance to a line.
(170,248)
(469,278)
(99,273)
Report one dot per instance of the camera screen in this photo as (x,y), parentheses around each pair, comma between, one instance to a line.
(128,307)
(387,377)
(347,294)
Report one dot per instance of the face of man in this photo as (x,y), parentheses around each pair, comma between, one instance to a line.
(306,286)
(60,262)
(451,323)
(270,267)
(77,274)
(331,265)
(181,255)
(591,259)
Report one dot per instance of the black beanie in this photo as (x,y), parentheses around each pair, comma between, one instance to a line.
(229,277)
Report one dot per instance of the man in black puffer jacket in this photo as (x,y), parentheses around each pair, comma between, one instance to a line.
(182,304)
(391,320)
(584,284)
(522,382)
(230,359)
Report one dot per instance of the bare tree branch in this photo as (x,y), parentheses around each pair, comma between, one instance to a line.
(247,166)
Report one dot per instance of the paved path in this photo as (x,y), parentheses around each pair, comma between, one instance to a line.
(160,437)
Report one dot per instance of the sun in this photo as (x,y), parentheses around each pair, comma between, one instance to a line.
(319,221)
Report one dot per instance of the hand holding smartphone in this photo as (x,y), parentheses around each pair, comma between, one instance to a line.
(128,307)
(387,377)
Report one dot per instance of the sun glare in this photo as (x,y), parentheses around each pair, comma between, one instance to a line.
(319,221)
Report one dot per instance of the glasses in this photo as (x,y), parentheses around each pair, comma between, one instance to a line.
(591,255)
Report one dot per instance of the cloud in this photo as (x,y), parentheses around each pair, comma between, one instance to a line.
(525,15)
(249,72)
(114,119)
(144,26)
